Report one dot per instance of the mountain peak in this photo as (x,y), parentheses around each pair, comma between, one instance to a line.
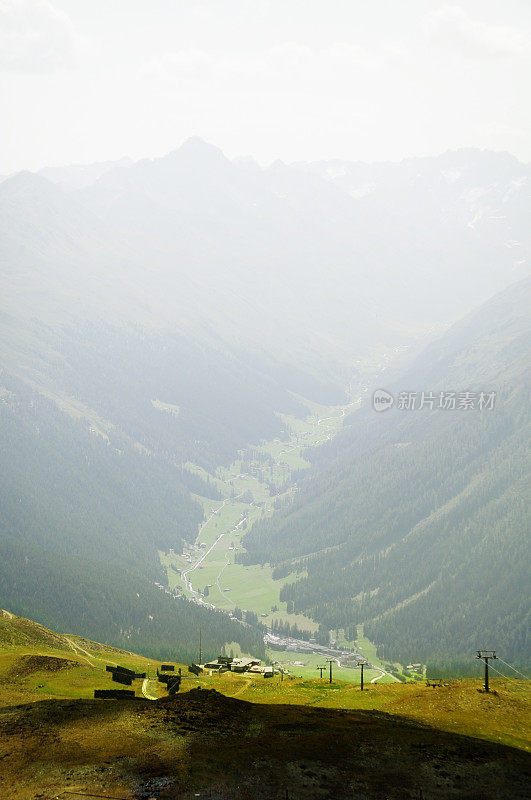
(27,184)
(196,148)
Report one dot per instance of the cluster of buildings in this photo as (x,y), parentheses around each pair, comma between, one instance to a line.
(344,658)
(228,664)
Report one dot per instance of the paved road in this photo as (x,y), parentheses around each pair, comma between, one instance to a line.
(194,566)
(213,514)
(184,574)
(379,677)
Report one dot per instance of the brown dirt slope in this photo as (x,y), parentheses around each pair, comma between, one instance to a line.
(25,665)
(205,744)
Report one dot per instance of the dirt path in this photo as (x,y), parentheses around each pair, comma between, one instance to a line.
(383,673)
(145,692)
(243,688)
(80,650)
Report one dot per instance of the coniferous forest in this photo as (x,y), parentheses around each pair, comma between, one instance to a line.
(416,524)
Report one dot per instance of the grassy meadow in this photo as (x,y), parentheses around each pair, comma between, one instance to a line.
(247,496)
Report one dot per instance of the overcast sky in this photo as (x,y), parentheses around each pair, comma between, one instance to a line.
(88,80)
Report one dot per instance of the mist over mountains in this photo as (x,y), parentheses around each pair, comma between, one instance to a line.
(276,242)
(166,311)
(298,271)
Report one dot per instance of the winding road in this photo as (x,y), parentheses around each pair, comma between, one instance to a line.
(186,573)
(383,673)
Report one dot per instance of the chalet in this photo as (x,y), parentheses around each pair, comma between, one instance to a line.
(223,663)
(220,663)
(243,664)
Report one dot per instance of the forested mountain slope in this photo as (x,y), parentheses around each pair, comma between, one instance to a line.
(81,518)
(90,597)
(416,523)
(73,491)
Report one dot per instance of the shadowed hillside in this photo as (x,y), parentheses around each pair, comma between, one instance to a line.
(204,743)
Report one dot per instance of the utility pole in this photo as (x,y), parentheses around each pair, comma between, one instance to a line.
(200,648)
(485,655)
(362,664)
(330,661)
(321,670)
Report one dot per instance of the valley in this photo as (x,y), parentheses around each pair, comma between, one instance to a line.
(125,387)
(207,571)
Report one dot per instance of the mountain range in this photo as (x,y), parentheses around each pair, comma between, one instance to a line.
(167,311)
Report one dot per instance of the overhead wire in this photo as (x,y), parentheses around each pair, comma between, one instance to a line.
(513,668)
(507,677)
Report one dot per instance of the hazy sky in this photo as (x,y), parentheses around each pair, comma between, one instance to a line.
(87,80)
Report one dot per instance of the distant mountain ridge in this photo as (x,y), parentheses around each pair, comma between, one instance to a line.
(456,223)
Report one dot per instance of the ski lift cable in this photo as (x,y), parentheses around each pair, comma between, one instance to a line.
(507,677)
(513,668)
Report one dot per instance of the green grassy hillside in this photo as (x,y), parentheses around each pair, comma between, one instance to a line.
(236,736)
(36,663)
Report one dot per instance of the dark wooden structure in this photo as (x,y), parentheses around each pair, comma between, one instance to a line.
(121,677)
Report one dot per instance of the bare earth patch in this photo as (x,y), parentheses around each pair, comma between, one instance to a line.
(25,665)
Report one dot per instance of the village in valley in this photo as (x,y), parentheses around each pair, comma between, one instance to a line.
(208,572)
